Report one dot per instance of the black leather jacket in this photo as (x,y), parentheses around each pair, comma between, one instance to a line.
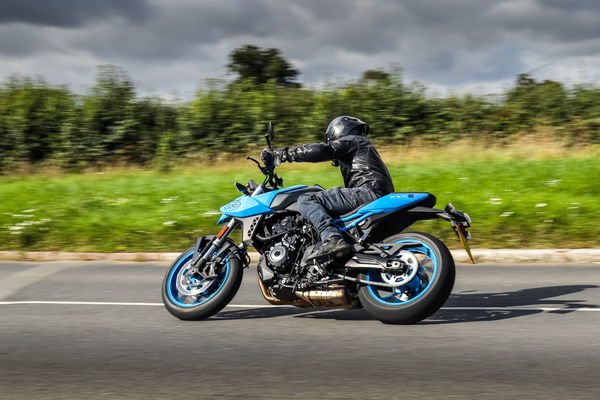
(360,164)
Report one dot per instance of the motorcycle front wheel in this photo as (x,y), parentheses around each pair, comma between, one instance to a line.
(426,282)
(196,298)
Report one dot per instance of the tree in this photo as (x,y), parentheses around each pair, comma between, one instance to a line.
(262,65)
(538,101)
(32,115)
(109,114)
(375,75)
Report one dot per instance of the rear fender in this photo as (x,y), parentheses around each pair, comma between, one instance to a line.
(388,224)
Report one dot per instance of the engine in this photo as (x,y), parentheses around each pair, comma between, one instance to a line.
(282,250)
(283,280)
(283,244)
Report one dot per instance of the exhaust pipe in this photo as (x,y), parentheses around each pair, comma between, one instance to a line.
(331,298)
(302,303)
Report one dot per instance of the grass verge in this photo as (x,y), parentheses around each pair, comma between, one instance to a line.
(526,195)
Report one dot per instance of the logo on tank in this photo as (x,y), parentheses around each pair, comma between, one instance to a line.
(234,205)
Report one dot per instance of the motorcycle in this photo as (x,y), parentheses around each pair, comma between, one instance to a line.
(398,277)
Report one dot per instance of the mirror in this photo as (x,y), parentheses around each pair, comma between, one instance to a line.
(270,131)
(241,188)
(270,134)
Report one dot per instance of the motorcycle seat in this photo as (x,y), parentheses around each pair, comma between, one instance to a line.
(392,202)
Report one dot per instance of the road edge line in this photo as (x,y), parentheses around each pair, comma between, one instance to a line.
(574,256)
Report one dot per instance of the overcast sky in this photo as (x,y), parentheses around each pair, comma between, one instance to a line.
(169,46)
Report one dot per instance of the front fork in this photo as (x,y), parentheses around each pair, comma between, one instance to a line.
(200,260)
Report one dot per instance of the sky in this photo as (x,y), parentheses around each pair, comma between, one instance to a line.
(169,47)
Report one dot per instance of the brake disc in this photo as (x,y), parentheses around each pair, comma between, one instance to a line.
(189,285)
(412,268)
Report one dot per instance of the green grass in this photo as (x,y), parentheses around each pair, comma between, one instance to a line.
(515,199)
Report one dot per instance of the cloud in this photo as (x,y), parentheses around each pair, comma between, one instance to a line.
(70,13)
(172,44)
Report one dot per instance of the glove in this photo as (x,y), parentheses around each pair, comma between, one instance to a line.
(275,156)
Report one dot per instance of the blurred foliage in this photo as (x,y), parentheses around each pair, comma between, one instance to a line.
(262,66)
(41,124)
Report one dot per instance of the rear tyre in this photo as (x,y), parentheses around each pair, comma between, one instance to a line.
(190,298)
(432,267)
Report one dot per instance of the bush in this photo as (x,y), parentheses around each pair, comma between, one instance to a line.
(40,123)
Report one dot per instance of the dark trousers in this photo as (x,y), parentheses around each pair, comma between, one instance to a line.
(317,207)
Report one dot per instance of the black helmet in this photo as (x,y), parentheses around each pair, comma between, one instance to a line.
(344,126)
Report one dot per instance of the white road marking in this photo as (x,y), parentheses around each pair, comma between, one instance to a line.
(110,303)
(519,309)
(84,303)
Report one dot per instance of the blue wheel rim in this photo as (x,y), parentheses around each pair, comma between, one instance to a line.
(417,289)
(209,293)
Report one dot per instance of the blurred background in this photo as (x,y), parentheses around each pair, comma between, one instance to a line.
(123,125)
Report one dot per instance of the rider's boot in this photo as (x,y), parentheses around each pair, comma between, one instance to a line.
(333,247)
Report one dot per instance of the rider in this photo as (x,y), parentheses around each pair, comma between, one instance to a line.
(365,176)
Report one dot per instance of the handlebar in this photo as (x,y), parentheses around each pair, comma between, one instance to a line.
(272,181)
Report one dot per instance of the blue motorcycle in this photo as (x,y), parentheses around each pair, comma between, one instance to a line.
(398,277)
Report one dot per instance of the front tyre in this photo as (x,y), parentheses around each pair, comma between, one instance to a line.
(190,298)
(427,282)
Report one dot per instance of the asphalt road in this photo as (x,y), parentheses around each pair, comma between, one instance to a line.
(478,347)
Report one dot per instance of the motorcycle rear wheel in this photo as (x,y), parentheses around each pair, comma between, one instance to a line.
(424,294)
(193,299)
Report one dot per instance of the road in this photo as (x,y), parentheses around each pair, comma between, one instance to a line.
(479,346)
